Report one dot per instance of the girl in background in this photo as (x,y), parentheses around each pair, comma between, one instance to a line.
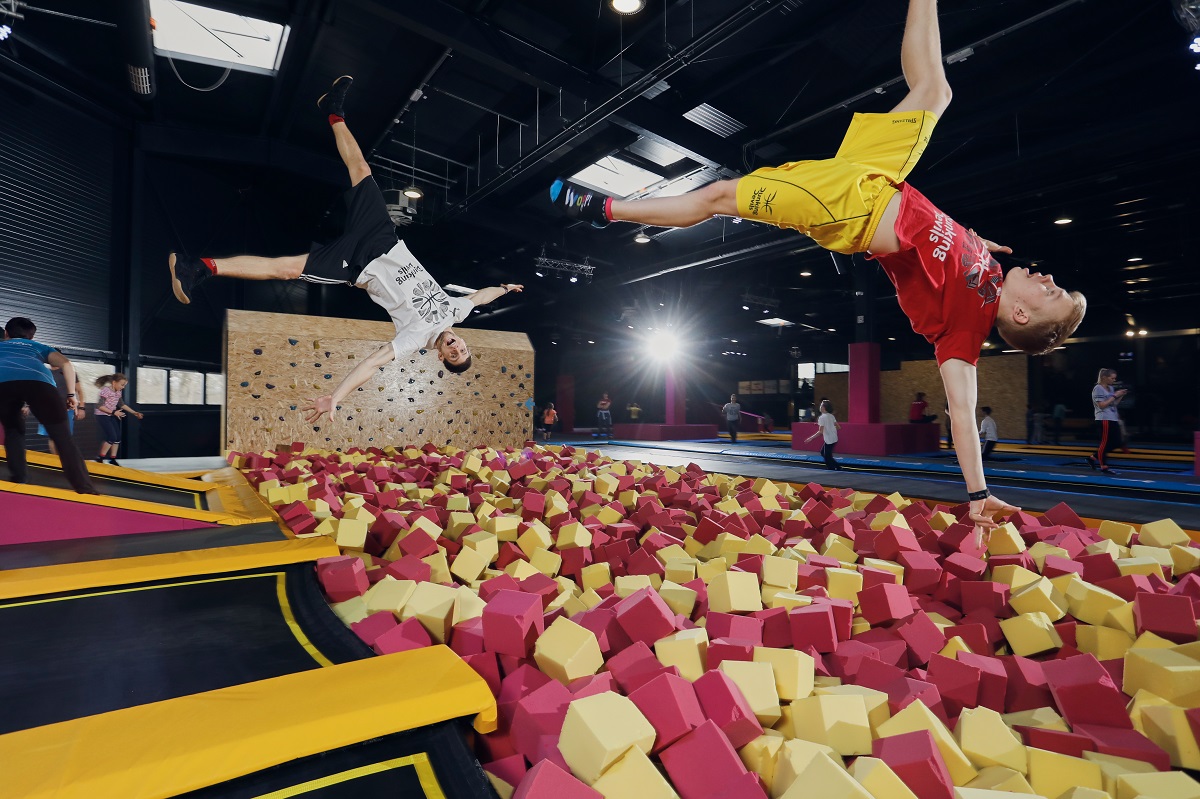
(109,412)
(827,427)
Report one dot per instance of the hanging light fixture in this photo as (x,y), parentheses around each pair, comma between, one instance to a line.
(641,237)
(627,6)
(414,192)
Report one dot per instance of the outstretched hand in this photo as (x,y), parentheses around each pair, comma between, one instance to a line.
(517,287)
(316,408)
(982,513)
(991,245)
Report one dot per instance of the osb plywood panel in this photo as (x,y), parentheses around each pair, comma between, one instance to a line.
(274,363)
(1003,385)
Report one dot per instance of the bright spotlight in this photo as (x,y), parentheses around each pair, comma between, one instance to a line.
(745,307)
(628,6)
(1063,221)
(574,279)
(662,346)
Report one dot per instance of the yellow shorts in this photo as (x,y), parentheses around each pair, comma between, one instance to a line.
(838,201)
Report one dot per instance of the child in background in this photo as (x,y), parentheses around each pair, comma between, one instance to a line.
(109,411)
(549,419)
(827,427)
(988,433)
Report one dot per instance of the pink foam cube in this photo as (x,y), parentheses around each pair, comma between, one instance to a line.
(670,704)
(342,578)
(1085,693)
(884,603)
(537,714)
(549,781)
(729,625)
(374,626)
(702,763)
(512,621)
(1172,617)
(915,759)
(723,703)
(922,637)
(645,617)
(813,626)
(409,634)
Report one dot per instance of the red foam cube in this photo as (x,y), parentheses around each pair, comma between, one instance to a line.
(702,763)
(915,759)
(723,703)
(1085,693)
(884,603)
(645,617)
(549,781)
(670,704)
(1172,617)
(512,621)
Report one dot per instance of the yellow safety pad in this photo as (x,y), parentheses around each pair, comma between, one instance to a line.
(101,500)
(184,744)
(123,571)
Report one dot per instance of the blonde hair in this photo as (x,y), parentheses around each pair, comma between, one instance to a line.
(107,380)
(1104,373)
(1040,336)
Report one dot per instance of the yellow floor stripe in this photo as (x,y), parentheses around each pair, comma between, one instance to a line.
(420,762)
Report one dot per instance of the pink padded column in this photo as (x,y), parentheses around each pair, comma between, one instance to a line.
(864,383)
(676,398)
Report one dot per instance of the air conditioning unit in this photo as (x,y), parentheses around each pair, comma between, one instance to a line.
(399,208)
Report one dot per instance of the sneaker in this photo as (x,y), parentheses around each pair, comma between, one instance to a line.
(186,274)
(334,100)
(113,462)
(578,202)
(1109,472)
(1091,461)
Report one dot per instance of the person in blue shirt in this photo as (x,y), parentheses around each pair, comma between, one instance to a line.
(25,379)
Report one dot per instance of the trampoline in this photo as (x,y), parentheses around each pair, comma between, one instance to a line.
(160,492)
(90,651)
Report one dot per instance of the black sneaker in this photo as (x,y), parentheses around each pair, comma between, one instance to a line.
(186,274)
(334,100)
(1091,461)
(578,202)
(113,462)
(1109,472)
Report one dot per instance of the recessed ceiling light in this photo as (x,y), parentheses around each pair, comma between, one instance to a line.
(1129,333)
(641,238)
(1132,260)
(833,330)
(806,274)
(1063,221)
(590,341)
(891,338)
(745,307)
(1141,332)
(627,6)
(414,192)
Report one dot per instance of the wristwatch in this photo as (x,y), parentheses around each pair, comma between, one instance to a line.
(983,493)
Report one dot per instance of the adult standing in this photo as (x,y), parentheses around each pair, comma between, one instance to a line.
(988,434)
(25,379)
(1105,400)
(604,416)
(916,411)
(827,427)
(733,416)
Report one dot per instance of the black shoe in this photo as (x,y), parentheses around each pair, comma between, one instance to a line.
(186,274)
(581,203)
(113,462)
(1091,461)
(98,460)
(334,100)
(1109,472)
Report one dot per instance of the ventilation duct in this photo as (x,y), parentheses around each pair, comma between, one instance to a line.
(137,45)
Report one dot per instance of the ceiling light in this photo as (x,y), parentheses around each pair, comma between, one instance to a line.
(733,341)
(766,310)
(1141,332)
(1063,221)
(539,273)
(806,274)
(891,338)
(627,6)
(775,322)
(414,192)
(641,237)
(1129,333)
(1132,260)
(833,330)
(590,341)
(574,279)
(745,307)
(629,326)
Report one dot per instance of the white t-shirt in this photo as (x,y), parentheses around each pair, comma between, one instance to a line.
(828,426)
(419,307)
(987,429)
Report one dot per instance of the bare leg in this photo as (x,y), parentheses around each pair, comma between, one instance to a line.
(104,449)
(351,155)
(921,60)
(258,267)
(715,199)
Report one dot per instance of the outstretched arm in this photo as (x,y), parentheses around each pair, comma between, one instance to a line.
(491,293)
(959,379)
(321,406)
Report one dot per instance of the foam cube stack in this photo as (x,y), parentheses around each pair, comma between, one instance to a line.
(667,632)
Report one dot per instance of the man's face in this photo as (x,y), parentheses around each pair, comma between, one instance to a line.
(1038,294)
(452,349)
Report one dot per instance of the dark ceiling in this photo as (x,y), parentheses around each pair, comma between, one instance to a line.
(1074,109)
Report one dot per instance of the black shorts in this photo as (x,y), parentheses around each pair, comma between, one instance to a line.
(43,399)
(369,233)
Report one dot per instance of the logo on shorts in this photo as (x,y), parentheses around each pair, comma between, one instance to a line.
(909,120)
(760,202)
(345,265)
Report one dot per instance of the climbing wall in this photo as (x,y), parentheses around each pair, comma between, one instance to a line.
(275,362)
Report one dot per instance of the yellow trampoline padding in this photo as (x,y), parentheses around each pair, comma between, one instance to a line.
(180,745)
(123,571)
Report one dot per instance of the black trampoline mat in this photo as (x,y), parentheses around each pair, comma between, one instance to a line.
(77,654)
(426,763)
(51,477)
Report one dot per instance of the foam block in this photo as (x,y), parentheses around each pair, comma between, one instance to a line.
(598,730)
(916,760)
(723,704)
(548,781)
(634,775)
(756,681)
(1052,774)
(669,703)
(702,763)
(566,651)
(512,621)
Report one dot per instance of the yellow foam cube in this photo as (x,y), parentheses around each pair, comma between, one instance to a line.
(878,709)
(532,540)
(1041,550)
(1000,778)
(879,779)
(759,755)
(709,569)
(793,757)
(389,594)
(1089,603)
(425,525)
(486,544)
(1105,643)
(573,534)
(1030,633)
(756,681)
(1122,618)
(984,793)
(628,584)
(351,534)
(1015,577)
(843,584)
(919,717)
(432,605)
(595,575)
(680,570)
(1051,773)
(1165,672)
(1112,767)
(822,777)
(1184,560)
(1139,565)
(885,565)
(439,567)
(1005,540)
(734,592)
(837,720)
(1079,792)
(1168,727)
(986,740)
(352,610)
(1039,596)
(793,671)
(687,650)
(598,730)
(468,565)
(1045,718)
(780,572)
(680,599)
(634,775)
(566,651)
(954,645)
(1141,700)
(1159,785)
(546,561)
(467,605)
(1116,532)
(1163,533)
